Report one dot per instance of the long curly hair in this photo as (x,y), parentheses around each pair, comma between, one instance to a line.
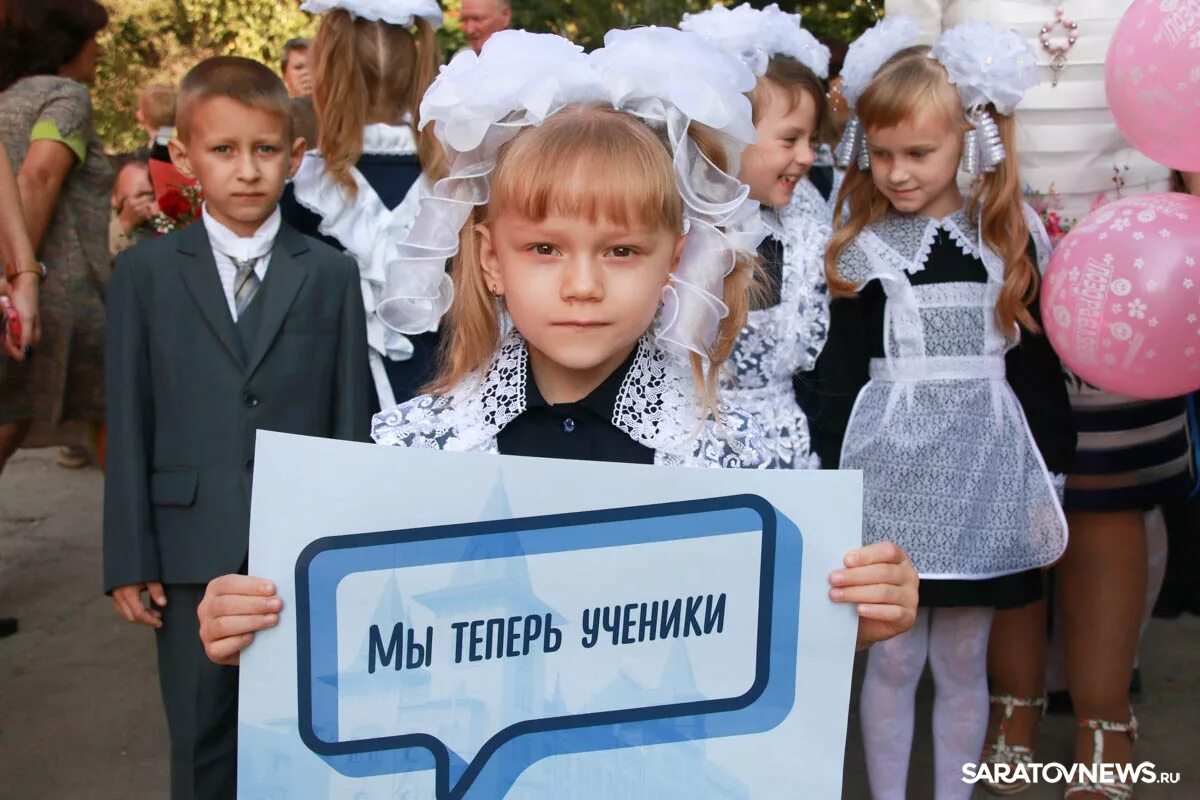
(588,161)
(910,82)
(367,69)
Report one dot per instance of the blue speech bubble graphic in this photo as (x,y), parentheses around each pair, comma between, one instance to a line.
(333,562)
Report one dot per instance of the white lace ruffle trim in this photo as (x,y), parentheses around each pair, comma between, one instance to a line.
(656,406)
(364,226)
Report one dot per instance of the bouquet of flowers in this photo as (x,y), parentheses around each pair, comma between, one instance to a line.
(1047,205)
(178,207)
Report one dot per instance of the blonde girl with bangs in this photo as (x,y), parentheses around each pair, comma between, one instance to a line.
(567,219)
(359,191)
(937,382)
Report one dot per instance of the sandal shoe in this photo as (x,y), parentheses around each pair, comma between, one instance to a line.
(1109,791)
(1001,752)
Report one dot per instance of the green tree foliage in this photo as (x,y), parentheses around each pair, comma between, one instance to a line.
(586,21)
(156,41)
(840,20)
(451,36)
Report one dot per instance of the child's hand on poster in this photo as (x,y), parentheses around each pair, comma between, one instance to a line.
(233,609)
(882,581)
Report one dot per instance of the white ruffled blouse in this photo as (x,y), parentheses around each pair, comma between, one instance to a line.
(368,230)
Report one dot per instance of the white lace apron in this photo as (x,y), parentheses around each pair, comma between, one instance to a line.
(951,471)
(366,228)
(787,337)
(656,406)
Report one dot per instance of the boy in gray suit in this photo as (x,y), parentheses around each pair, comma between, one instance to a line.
(235,323)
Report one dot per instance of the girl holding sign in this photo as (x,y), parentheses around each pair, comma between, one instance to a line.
(602,263)
(952,402)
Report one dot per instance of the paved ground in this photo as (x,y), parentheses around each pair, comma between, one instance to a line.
(79,708)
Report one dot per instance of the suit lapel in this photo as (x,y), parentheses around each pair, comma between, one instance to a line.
(202,280)
(287,274)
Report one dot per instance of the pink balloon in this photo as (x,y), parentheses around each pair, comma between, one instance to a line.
(1121,297)
(1152,78)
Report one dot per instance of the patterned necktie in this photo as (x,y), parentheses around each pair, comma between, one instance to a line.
(245,283)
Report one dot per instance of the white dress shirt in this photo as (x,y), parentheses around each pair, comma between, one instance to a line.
(227,246)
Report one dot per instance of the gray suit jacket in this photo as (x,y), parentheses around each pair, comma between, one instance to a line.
(185,398)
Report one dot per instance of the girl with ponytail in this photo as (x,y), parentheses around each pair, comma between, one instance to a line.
(938,383)
(359,192)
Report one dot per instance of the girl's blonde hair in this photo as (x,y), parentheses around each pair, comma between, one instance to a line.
(589,161)
(908,83)
(367,69)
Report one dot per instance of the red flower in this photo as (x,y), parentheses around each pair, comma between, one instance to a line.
(174,205)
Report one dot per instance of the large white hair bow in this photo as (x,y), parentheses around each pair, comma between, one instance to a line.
(987,65)
(476,105)
(393,12)
(756,36)
(671,78)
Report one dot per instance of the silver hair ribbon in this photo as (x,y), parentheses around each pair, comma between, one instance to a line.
(970,156)
(983,149)
(847,151)
(864,157)
(991,146)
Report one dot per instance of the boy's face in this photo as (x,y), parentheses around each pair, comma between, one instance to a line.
(783,153)
(241,157)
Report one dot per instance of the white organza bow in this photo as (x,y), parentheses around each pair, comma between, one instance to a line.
(672,78)
(756,36)
(987,65)
(476,105)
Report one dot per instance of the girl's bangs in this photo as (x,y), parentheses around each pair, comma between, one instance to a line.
(590,163)
(904,88)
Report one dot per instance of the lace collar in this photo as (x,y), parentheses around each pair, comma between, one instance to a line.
(656,404)
(806,212)
(808,202)
(904,241)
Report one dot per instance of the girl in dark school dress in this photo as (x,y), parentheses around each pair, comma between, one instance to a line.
(936,380)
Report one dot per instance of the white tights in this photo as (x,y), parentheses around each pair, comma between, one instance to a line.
(955,642)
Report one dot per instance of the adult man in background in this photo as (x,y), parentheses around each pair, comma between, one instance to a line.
(481,18)
(293,65)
